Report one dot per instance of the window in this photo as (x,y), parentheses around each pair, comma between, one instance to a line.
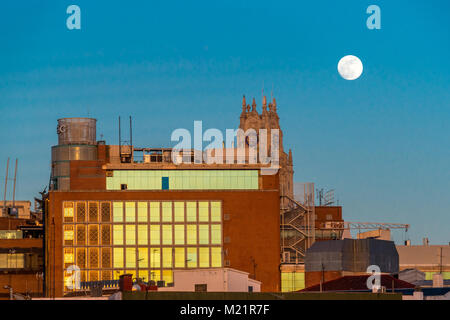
(203,234)
(167,258)
(166,234)
(143,258)
(142,211)
(130,233)
(203,211)
(182,179)
(179,258)
(155,234)
(118,257)
(142,234)
(191,234)
(216,234)
(118,234)
(154,212)
(179,234)
(191,214)
(130,257)
(216,214)
(130,212)
(216,257)
(167,211)
(203,257)
(155,258)
(167,276)
(118,212)
(179,211)
(191,257)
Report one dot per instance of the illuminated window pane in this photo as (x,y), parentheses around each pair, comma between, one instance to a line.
(203,257)
(166,211)
(130,257)
(68,211)
(191,257)
(155,258)
(68,255)
(155,234)
(167,257)
(68,234)
(167,276)
(179,211)
(180,258)
(142,211)
(191,211)
(143,274)
(166,234)
(118,234)
(155,275)
(154,212)
(142,234)
(203,213)
(216,257)
(203,234)
(179,234)
(143,257)
(118,212)
(216,234)
(216,214)
(130,212)
(130,233)
(118,258)
(191,234)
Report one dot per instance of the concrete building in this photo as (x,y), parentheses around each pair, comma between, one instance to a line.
(430,259)
(329,260)
(23,209)
(213,280)
(21,259)
(115,209)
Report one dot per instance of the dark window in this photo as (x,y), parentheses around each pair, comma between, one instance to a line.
(123,187)
(250,288)
(201,288)
(165,183)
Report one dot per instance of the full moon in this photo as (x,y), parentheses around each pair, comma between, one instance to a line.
(350,67)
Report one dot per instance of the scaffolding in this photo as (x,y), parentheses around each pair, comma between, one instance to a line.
(297,225)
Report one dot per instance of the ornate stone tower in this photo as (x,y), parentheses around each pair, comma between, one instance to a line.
(268,119)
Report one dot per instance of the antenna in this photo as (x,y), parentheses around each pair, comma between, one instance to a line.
(6,185)
(14,188)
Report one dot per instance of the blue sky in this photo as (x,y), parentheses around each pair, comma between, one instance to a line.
(381,141)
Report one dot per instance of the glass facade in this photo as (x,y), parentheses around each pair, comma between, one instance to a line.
(148,239)
(183,179)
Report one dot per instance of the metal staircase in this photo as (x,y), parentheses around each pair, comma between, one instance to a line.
(297,226)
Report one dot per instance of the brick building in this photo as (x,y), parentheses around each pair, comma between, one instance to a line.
(115,209)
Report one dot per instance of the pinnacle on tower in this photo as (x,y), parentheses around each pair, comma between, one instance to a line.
(274,105)
(244,104)
(254,105)
(264,103)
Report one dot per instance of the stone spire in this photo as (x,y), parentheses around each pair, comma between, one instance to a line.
(264,104)
(244,105)
(254,105)
(290,157)
(274,103)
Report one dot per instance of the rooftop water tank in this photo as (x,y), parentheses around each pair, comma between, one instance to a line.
(77,131)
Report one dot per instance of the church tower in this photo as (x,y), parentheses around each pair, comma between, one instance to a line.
(268,119)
